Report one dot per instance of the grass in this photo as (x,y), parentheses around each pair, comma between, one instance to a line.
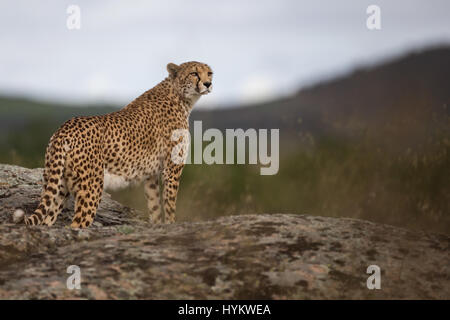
(335,178)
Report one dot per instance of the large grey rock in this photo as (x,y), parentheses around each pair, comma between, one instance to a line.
(277,256)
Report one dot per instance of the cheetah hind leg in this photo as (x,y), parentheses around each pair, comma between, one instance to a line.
(53,197)
(87,200)
(58,202)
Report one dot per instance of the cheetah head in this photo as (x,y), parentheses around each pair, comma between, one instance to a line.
(191,79)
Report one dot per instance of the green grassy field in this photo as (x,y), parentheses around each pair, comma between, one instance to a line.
(333,179)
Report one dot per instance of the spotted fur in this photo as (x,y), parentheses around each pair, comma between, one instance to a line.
(131,145)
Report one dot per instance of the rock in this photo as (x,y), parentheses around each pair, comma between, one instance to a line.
(266,256)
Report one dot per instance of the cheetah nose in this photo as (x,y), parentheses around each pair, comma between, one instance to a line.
(207,84)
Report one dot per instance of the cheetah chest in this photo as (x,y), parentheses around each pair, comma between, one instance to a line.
(113,181)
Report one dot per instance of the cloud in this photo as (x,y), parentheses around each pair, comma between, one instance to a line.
(122,49)
(257,88)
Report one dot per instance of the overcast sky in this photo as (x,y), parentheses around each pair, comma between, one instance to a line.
(258,49)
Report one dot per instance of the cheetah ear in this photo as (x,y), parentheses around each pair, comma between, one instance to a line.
(173,69)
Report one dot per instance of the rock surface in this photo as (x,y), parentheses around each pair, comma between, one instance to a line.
(276,256)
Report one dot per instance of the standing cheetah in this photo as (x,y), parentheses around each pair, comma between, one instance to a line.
(133,144)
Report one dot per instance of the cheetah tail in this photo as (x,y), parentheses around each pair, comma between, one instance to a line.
(50,204)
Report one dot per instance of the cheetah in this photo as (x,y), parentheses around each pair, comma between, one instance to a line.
(87,154)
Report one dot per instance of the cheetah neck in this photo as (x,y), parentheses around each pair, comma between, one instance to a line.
(187,103)
(166,88)
(191,102)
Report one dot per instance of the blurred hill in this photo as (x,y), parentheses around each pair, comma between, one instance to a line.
(27,125)
(407,93)
(402,98)
(372,144)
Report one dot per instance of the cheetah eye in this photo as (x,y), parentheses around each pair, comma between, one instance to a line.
(194,74)
(210,74)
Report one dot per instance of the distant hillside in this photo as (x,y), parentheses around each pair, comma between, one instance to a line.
(17,112)
(401,102)
(399,99)
(26,126)
(406,92)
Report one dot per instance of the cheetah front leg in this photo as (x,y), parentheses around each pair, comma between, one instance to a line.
(171,181)
(151,190)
